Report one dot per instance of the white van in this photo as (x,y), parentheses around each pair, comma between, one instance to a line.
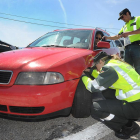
(120,45)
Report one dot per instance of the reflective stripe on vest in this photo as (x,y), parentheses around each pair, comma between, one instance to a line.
(127,39)
(130,93)
(95,85)
(134,26)
(89,86)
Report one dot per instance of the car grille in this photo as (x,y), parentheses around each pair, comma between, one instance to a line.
(5,76)
(26,110)
(4,115)
(3,108)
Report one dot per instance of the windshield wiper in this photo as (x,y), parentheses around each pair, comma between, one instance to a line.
(53,46)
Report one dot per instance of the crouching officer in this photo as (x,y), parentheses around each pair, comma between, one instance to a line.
(120,112)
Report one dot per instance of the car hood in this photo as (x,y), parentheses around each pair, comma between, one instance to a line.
(37,58)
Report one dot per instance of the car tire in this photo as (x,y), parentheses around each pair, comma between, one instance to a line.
(82,102)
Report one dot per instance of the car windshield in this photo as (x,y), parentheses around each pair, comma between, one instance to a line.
(66,38)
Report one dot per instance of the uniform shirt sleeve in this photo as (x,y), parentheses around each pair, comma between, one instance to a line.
(94,73)
(121,31)
(105,79)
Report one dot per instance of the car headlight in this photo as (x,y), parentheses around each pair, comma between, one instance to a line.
(39,78)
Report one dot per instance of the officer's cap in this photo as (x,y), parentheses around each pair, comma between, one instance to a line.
(99,56)
(123,12)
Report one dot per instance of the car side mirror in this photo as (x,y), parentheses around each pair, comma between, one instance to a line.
(102,44)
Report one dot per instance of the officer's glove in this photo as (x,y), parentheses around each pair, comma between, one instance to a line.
(87,73)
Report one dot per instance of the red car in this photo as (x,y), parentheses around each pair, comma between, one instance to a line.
(43,80)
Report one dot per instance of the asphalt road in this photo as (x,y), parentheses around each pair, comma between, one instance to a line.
(44,130)
(52,129)
(48,130)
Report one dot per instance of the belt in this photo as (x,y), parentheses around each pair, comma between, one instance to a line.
(136,42)
(133,43)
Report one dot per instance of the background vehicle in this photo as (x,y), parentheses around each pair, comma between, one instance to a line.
(43,80)
(120,45)
(6,47)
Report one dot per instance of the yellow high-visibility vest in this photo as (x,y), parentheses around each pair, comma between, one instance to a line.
(132,25)
(128,85)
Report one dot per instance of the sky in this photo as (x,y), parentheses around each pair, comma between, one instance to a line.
(23,21)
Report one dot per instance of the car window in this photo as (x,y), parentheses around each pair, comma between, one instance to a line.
(122,41)
(105,34)
(111,44)
(68,38)
(64,38)
(77,40)
(118,43)
(49,40)
(114,43)
(98,34)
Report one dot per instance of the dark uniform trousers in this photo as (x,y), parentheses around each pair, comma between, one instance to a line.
(125,113)
(132,55)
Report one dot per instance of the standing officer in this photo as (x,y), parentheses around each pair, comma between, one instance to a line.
(120,112)
(131,33)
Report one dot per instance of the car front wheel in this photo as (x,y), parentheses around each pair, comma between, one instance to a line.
(82,102)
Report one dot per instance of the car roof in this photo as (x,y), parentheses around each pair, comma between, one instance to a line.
(75,29)
(93,29)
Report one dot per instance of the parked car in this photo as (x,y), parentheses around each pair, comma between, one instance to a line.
(43,79)
(6,46)
(120,45)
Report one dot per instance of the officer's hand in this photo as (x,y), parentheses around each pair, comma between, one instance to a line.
(86,73)
(126,34)
(104,38)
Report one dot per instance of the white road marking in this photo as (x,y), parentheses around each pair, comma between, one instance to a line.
(94,132)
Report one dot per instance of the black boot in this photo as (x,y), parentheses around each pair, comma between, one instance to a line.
(126,132)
